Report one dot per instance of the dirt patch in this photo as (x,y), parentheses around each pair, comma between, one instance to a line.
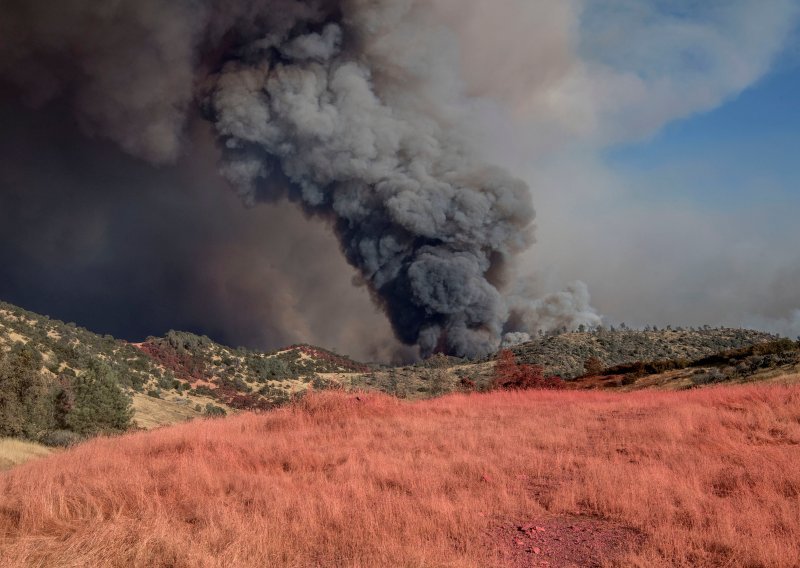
(562,542)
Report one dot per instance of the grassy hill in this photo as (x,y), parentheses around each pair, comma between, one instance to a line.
(588,475)
(182,376)
(565,355)
(558,478)
(175,377)
(15,452)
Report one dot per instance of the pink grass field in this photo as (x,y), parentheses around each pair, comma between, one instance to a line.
(696,478)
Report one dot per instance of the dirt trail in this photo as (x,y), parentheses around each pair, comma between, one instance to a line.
(562,542)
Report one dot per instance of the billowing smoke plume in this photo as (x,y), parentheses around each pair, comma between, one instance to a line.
(346,107)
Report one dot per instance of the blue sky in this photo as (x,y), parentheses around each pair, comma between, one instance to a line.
(742,154)
(662,157)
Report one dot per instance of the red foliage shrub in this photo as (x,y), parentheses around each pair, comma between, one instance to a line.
(246,401)
(183,365)
(344,363)
(510,375)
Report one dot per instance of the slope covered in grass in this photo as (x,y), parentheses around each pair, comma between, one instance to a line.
(14,452)
(693,478)
(187,371)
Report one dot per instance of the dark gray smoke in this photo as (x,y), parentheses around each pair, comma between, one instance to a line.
(345,107)
(92,235)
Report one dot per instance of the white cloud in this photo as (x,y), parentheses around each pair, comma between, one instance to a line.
(563,81)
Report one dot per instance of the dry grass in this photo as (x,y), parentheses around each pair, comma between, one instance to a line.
(149,412)
(707,478)
(15,452)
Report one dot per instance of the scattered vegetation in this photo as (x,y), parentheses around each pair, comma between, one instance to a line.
(214,410)
(48,364)
(180,368)
(726,366)
(67,348)
(566,354)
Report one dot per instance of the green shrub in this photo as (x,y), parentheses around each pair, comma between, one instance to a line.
(321,383)
(60,439)
(100,406)
(214,410)
(708,377)
(166,380)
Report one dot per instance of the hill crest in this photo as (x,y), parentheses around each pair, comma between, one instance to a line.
(183,375)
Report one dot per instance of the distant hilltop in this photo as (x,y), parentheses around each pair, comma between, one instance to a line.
(565,354)
(182,375)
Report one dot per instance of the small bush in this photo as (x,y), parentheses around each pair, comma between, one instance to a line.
(61,439)
(467,384)
(593,366)
(321,383)
(709,377)
(214,410)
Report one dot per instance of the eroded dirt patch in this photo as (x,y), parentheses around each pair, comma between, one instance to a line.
(562,542)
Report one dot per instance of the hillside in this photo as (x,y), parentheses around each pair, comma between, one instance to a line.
(240,378)
(178,376)
(557,478)
(14,452)
(182,376)
(565,354)
(777,360)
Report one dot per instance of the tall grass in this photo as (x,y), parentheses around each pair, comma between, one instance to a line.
(708,478)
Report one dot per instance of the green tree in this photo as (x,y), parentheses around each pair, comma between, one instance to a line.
(438,380)
(99,404)
(395,385)
(26,400)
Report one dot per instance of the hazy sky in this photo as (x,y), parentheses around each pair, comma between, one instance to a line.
(661,152)
(658,139)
